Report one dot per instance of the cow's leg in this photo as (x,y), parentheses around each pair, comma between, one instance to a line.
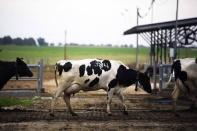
(67,101)
(121,97)
(71,90)
(175,95)
(192,97)
(109,100)
(57,94)
(193,105)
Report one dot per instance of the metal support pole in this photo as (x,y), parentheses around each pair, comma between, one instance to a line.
(160,77)
(154,62)
(165,46)
(176,25)
(151,49)
(161,48)
(137,42)
(65,45)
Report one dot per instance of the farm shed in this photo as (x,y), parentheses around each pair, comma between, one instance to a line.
(161,37)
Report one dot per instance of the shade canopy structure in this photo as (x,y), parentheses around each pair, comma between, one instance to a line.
(161,36)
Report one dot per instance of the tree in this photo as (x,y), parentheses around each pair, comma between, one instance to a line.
(7,40)
(42,42)
(29,41)
(1,41)
(18,41)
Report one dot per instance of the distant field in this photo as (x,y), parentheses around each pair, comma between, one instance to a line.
(51,54)
(32,54)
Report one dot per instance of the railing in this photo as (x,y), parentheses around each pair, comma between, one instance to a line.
(38,78)
(164,72)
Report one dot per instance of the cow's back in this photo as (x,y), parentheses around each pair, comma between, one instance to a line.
(90,73)
(186,62)
(190,68)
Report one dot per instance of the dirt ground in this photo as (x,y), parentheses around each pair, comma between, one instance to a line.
(147,112)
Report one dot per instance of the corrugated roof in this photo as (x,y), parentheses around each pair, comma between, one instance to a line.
(161,26)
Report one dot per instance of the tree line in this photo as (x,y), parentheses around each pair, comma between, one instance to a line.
(8,40)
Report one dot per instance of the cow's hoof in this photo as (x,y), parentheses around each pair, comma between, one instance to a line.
(192,107)
(176,115)
(125,113)
(109,114)
(74,114)
(52,114)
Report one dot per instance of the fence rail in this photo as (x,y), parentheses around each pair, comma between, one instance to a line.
(164,72)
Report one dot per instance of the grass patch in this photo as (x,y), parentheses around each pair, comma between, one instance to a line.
(51,55)
(11,101)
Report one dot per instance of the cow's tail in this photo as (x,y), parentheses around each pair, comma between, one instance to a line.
(137,80)
(56,75)
(170,78)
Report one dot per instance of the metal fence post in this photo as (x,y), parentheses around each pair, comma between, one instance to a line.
(40,71)
(160,76)
(40,77)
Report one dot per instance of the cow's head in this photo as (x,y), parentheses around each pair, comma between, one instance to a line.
(144,80)
(22,69)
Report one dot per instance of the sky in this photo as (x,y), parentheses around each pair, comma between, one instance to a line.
(85,21)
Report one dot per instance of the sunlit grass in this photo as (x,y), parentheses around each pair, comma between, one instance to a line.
(50,55)
(11,101)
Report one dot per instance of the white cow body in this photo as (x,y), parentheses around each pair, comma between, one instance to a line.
(186,86)
(72,77)
(94,74)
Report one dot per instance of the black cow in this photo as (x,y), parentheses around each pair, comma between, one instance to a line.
(10,69)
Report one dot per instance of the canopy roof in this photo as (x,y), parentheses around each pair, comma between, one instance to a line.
(161,26)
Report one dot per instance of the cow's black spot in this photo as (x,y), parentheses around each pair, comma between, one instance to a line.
(179,74)
(196,61)
(112,84)
(176,66)
(67,66)
(81,70)
(144,80)
(86,81)
(106,65)
(126,77)
(89,70)
(94,82)
(60,69)
(96,66)
(183,75)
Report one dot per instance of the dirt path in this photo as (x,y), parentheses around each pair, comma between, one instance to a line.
(146,112)
(98,120)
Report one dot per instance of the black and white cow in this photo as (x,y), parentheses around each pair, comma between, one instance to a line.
(10,69)
(94,74)
(185,80)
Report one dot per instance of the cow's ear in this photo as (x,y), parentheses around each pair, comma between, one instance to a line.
(183,75)
(19,60)
(146,73)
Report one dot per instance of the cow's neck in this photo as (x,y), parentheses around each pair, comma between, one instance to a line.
(8,70)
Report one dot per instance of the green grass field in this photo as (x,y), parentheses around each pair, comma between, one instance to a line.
(50,55)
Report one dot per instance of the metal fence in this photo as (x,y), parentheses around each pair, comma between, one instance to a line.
(39,78)
(164,73)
